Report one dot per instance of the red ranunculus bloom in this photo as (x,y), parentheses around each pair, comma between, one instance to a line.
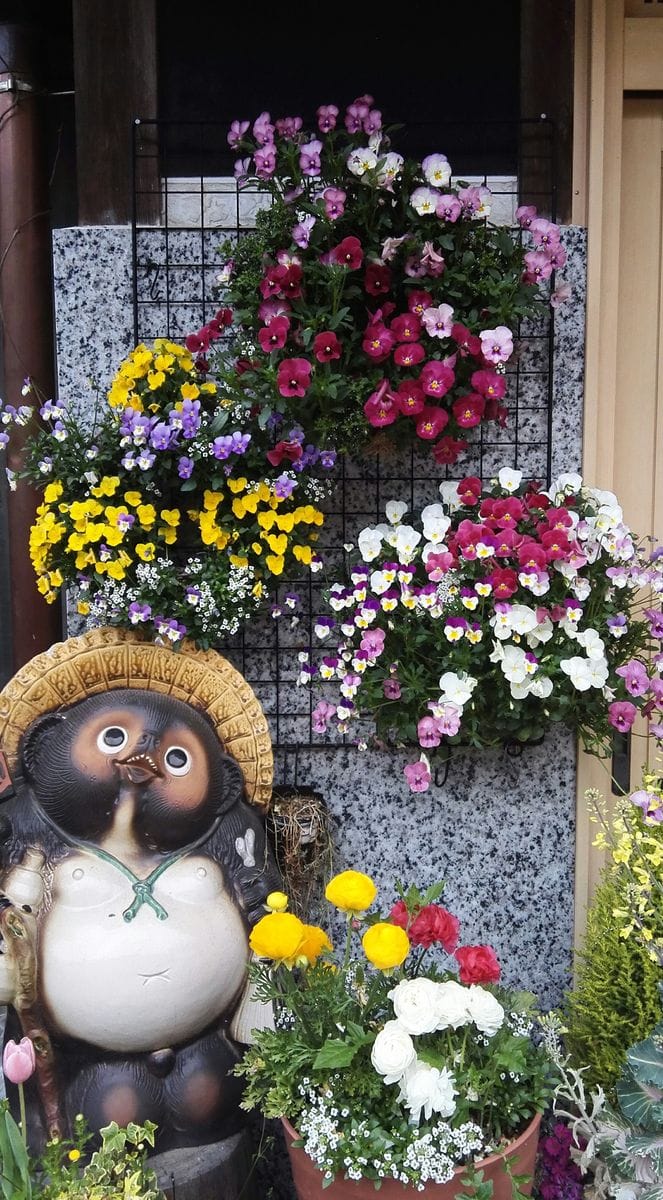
(478,964)
(294,376)
(435,924)
(399,914)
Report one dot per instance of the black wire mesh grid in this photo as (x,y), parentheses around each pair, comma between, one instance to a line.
(185,206)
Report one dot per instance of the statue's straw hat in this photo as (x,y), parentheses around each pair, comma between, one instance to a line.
(113,658)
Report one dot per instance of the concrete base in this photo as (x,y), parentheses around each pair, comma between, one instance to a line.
(220,1171)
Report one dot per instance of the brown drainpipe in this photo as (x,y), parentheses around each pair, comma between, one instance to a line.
(26,312)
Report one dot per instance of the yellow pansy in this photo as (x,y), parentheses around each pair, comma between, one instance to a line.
(155,380)
(43,585)
(257,590)
(239,507)
(303,554)
(238,485)
(277,544)
(351,891)
(147,515)
(115,570)
(163,361)
(212,500)
(239,560)
(53,491)
(168,534)
(386,946)
(106,486)
(76,541)
(113,536)
(171,516)
(256,547)
(145,551)
(284,521)
(189,391)
(210,388)
(134,401)
(266,518)
(83,607)
(264,493)
(279,936)
(84,558)
(275,564)
(55,579)
(133,498)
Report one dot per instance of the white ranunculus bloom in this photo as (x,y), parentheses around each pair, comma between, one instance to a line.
(452,1010)
(485,1010)
(393,1052)
(415,1005)
(427,1089)
(370,544)
(509,479)
(395,509)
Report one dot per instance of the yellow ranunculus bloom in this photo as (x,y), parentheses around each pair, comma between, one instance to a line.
(276,902)
(279,935)
(315,943)
(386,946)
(351,891)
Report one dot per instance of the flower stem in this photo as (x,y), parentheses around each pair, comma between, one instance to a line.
(21,1102)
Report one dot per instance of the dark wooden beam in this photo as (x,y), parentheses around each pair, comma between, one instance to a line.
(546,86)
(115,71)
(26,322)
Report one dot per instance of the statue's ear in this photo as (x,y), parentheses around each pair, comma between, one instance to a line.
(232,782)
(34,742)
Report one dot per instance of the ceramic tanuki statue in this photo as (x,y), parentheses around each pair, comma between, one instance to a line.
(134,870)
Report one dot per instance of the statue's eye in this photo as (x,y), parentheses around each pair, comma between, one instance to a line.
(178,760)
(112,739)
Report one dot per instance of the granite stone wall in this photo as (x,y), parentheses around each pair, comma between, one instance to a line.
(500,830)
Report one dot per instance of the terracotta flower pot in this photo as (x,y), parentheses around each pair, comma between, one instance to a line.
(521,1154)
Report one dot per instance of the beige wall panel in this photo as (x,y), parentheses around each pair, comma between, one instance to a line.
(643,55)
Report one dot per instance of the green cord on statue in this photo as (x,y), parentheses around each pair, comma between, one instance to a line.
(143,890)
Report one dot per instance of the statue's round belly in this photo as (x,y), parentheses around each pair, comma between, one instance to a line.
(146,983)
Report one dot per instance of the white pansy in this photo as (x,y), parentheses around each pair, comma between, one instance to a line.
(436,170)
(415,1004)
(390,168)
(497,653)
(598,672)
(591,642)
(581,589)
(603,497)
(435,522)
(380,582)
(541,633)
(501,625)
(585,673)
(520,690)
(541,686)
(509,479)
(370,544)
(485,1010)
(393,1052)
(451,1005)
(395,509)
(457,688)
(425,1089)
(362,160)
(522,618)
(424,201)
(609,517)
(450,496)
(567,484)
(514,664)
(407,541)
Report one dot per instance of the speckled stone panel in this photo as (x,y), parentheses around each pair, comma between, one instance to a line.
(499,830)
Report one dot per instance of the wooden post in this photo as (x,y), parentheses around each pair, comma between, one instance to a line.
(26,313)
(115,81)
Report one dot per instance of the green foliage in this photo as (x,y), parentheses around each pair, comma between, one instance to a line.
(116,1171)
(616,999)
(15,1181)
